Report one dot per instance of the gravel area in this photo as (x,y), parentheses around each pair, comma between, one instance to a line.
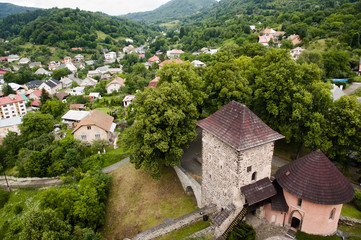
(265,230)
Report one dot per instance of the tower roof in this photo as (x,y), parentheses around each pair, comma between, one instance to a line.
(316,179)
(239,127)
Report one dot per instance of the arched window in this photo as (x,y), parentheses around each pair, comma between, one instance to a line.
(332,214)
(254,175)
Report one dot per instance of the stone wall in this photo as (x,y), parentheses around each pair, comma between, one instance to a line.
(187,181)
(29,182)
(173,225)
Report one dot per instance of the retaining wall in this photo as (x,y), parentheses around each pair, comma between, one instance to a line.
(188,181)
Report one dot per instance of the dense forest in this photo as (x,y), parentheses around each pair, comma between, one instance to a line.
(7,9)
(171,10)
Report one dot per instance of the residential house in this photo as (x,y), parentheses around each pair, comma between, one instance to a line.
(77,106)
(76,91)
(79,65)
(110,56)
(71,67)
(73,117)
(42,71)
(93,73)
(53,65)
(115,85)
(66,82)
(128,100)
(154,82)
(88,82)
(264,40)
(128,49)
(33,84)
(12,106)
(35,104)
(62,96)
(113,71)
(89,63)
(296,52)
(33,64)
(3,59)
(141,56)
(35,94)
(24,61)
(52,86)
(19,89)
(198,63)
(9,125)
(94,95)
(67,59)
(154,59)
(296,39)
(95,126)
(158,52)
(252,27)
(2,72)
(78,58)
(103,69)
(175,53)
(141,50)
(106,76)
(169,61)
(128,40)
(12,58)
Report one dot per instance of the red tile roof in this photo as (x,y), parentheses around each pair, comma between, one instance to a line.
(239,127)
(315,178)
(154,82)
(35,103)
(37,93)
(3,71)
(117,80)
(258,191)
(96,118)
(153,59)
(14,99)
(170,61)
(76,106)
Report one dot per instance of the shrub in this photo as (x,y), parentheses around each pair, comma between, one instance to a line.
(17,209)
(357,199)
(242,231)
(4,197)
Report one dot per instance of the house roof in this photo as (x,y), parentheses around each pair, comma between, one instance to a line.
(35,103)
(37,93)
(315,178)
(12,99)
(170,61)
(278,201)
(176,51)
(6,122)
(117,80)
(96,118)
(75,115)
(129,98)
(76,106)
(61,95)
(41,71)
(52,83)
(264,39)
(153,59)
(88,82)
(258,191)
(239,127)
(35,64)
(154,82)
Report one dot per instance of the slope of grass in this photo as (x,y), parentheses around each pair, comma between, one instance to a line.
(350,211)
(185,232)
(137,202)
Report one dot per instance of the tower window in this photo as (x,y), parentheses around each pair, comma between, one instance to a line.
(254,176)
(249,168)
(332,214)
(299,202)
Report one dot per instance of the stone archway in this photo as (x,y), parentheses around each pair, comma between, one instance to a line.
(295,220)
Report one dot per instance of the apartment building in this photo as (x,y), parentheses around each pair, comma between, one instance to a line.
(12,106)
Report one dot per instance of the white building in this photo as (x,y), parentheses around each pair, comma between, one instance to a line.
(12,106)
(175,53)
(110,56)
(115,85)
(76,91)
(51,85)
(12,58)
(128,100)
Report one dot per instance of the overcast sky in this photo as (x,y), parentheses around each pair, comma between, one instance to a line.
(112,7)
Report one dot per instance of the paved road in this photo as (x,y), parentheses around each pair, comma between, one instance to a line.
(115,165)
(352,88)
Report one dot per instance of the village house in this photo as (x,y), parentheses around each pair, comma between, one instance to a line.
(76,49)
(296,52)
(94,95)
(175,53)
(53,65)
(128,100)
(42,71)
(128,40)
(35,94)
(296,39)
(79,65)
(33,84)
(153,59)
(110,56)
(93,73)
(115,85)
(169,61)
(9,125)
(89,63)
(12,106)
(62,96)
(88,82)
(4,59)
(198,63)
(76,91)
(12,58)
(154,82)
(106,76)
(78,58)
(264,40)
(67,59)
(33,64)
(52,86)
(24,61)
(66,82)
(35,104)
(113,71)
(95,126)
(19,89)
(77,106)
(103,69)
(73,117)
(70,66)
(128,49)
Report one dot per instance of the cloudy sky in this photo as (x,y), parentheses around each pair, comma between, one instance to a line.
(112,7)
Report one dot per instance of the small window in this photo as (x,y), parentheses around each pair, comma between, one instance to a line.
(254,176)
(97,136)
(89,127)
(83,137)
(332,214)
(299,203)
(249,168)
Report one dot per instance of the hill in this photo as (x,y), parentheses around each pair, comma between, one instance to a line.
(171,10)
(7,9)
(66,28)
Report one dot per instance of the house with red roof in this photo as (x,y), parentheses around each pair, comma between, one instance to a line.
(175,53)
(3,59)
(115,85)
(153,59)
(154,82)
(12,106)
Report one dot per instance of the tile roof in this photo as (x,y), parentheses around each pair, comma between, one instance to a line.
(34,83)
(154,82)
(239,127)
(61,95)
(75,115)
(52,83)
(96,118)
(315,178)
(35,103)
(278,201)
(153,59)
(258,191)
(117,80)
(13,99)
(170,61)
(76,106)
(37,93)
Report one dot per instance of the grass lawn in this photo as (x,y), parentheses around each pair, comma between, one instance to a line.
(137,202)
(350,211)
(305,236)
(106,110)
(28,199)
(101,35)
(114,156)
(354,229)
(185,232)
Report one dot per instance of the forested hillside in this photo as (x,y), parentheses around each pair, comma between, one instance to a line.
(70,28)
(171,10)
(7,9)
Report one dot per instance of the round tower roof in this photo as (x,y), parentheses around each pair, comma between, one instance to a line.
(315,178)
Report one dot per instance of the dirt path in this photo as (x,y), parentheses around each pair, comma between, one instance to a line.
(352,88)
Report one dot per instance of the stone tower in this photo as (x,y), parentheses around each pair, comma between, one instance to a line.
(237,149)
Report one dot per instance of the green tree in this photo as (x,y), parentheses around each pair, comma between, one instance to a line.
(355,43)
(165,122)
(59,73)
(36,164)
(55,107)
(242,231)
(35,124)
(7,90)
(44,97)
